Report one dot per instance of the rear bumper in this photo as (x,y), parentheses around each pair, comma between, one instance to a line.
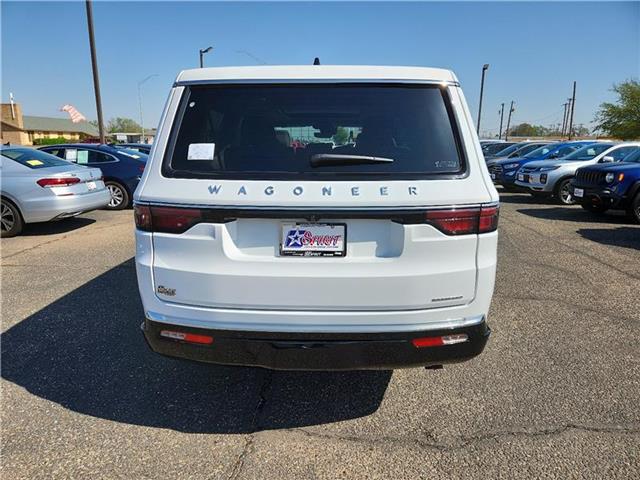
(44,209)
(318,351)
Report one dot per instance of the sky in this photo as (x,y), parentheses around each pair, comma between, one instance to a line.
(535,49)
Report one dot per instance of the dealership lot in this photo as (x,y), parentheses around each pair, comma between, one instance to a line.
(554,394)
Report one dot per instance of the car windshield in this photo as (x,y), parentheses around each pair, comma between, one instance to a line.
(587,153)
(508,150)
(528,148)
(494,148)
(276,131)
(33,158)
(540,151)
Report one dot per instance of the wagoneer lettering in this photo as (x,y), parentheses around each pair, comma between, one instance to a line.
(321,215)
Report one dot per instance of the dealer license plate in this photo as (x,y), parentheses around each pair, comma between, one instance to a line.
(578,192)
(313,239)
(521,177)
(91,185)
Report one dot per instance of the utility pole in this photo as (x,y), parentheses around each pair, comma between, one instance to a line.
(506,132)
(202,52)
(140,103)
(573,108)
(94,67)
(564,118)
(485,67)
(501,118)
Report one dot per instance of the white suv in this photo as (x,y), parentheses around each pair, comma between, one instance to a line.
(316,218)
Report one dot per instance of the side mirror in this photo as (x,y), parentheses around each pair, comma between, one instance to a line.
(607,159)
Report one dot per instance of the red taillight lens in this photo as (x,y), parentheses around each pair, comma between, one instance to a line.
(488,218)
(58,181)
(187,337)
(425,342)
(464,221)
(166,219)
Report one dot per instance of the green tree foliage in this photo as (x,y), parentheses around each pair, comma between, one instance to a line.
(527,130)
(122,125)
(341,136)
(622,118)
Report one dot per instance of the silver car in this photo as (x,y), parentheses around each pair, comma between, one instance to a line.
(553,177)
(39,187)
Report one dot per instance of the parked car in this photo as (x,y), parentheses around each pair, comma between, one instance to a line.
(553,177)
(38,187)
(376,255)
(138,147)
(517,150)
(503,172)
(494,148)
(606,186)
(122,168)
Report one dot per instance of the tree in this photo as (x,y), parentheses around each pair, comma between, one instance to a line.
(123,125)
(341,136)
(527,130)
(621,119)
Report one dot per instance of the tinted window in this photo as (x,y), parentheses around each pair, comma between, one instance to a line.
(528,148)
(83,156)
(33,158)
(275,131)
(504,152)
(622,152)
(539,152)
(564,151)
(495,148)
(633,157)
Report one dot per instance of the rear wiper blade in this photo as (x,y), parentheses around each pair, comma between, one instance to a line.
(328,159)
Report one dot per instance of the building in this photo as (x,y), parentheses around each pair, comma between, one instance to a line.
(133,137)
(19,129)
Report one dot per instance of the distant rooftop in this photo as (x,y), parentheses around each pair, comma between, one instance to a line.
(50,124)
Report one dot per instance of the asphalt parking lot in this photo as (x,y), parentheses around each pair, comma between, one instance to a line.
(555,394)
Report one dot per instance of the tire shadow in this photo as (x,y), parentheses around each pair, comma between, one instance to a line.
(85,352)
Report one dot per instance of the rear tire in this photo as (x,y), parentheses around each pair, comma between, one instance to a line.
(119,196)
(11,222)
(563,192)
(634,208)
(590,207)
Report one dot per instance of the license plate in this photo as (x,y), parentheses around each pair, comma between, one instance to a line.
(521,177)
(493,176)
(313,239)
(91,185)
(578,192)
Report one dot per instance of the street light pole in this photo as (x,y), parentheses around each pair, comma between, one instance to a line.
(573,107)
(202,52)
(501,118)
(140,103)
(506,132)
(94,67)
(485,67)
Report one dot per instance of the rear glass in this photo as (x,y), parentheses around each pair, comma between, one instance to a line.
(33,158)
(279,131)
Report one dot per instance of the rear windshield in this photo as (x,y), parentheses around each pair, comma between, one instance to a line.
(278,131)
(588,152)
(33,158)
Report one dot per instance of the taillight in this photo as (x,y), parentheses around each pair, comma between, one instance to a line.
(425,342)
(464,221)
(187,337)
(58,181)
(166,219)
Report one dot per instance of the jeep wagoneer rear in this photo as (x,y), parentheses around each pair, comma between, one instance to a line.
(316,217)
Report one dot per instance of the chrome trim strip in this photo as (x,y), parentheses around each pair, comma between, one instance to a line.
(315,328)
(315,209)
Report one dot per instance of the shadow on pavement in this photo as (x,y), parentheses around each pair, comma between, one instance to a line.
(627,237)
(575,214)
(525,198)
(85,352)
(60,226)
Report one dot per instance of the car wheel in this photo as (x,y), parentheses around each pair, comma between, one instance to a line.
(590,207)
(119,196)
(563,192)
(11,221)
(634,209)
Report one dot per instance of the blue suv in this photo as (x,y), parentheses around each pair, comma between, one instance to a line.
(503,172)
(121,168)
(604,186)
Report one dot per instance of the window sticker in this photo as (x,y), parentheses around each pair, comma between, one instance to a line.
(83,157)
(201,151)
(71,154)
(34,163)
